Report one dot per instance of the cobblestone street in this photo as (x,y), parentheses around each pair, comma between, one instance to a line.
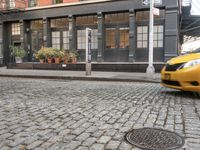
(82,115)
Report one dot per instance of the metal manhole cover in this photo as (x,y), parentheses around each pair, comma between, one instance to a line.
(154,139)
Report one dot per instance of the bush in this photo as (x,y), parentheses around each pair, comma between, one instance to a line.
(18,51)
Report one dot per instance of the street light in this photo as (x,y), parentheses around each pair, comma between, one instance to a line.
(150,71)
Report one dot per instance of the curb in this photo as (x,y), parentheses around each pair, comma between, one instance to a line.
(81,78)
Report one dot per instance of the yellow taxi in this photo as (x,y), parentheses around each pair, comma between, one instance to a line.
(183,72)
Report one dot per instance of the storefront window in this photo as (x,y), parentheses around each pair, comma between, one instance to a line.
(158,36)
(81,41)
(37,24)
(110,38)
(116,18)
(144,15)
(59,23)
(142,36)
(11,4)
(86,20)
(124,37)
(15,28)
(65,39)
(56,40)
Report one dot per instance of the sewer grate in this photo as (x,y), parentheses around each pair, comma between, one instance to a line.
(154,139)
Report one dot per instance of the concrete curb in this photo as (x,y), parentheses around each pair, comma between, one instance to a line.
(81,78)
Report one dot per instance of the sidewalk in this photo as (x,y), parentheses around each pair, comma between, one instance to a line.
(78,75)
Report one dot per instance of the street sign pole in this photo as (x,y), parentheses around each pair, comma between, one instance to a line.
(88,66)
(150,71)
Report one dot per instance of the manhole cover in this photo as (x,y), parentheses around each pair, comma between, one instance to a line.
(154,139)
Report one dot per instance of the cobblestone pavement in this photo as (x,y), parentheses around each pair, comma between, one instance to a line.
(82,115)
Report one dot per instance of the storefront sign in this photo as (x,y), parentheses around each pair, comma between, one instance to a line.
(147,2)
(88,51)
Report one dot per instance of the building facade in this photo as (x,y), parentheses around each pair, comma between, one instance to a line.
(119,29)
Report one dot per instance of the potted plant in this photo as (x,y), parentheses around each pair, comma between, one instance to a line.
(19,53)
(73,54)
(65,57)
(49,53)
(58,55)
(41,55)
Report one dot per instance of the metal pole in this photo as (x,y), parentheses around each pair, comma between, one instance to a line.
(150,71)
(88,66)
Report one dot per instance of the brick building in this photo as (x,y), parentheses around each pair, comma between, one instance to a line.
(119,30)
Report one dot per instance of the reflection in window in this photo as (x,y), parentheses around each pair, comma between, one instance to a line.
(86,20)
(56,39)
(11,3)
(37,24)
(59,23)
(58,1)
(32,3)
(117,18)
(110,38)
(15,28)
(158,36)
(124,37)
(65,40)
(144,15)
(81,39)
(142,36)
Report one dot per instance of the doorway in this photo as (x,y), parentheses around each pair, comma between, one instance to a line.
(117,44)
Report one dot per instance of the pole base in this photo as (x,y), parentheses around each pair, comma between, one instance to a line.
(150,72)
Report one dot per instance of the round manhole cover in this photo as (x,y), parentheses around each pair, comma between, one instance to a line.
(154,139)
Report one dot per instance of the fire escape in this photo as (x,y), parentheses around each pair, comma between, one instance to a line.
(7,6)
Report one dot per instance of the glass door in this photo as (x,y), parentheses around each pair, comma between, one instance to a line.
(117,44)
(36,43)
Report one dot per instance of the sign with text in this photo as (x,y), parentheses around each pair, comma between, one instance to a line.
(147,2)
(156,11)
(88,51)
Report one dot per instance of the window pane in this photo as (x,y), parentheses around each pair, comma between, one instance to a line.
(160,43)
(37,24)
(144,15)
(139,44)
(145,37)
(145,44)
(117,18)
(86,20)
(110,38)
(139,29)
(124,37)
(15,28)
(59,23)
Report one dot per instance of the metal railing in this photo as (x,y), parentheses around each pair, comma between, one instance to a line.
(12,4)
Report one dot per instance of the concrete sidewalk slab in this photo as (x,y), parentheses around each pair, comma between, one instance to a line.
(78,75)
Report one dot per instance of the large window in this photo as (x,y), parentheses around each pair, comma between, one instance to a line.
(116,18)
(32,3)
(59,23)
(110,38)
(60,33)
(11,4)
(124,37)
(158,36)
(144,15)
(57,1)
(15,28)
(142,36)
(86,20)
(56,39)
(81,41)
(37,24)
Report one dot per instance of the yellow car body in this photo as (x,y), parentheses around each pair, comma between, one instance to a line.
(182,72)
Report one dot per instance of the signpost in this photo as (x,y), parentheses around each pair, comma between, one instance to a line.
(150,69)
(88,66)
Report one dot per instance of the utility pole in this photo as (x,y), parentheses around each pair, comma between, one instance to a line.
(150,71)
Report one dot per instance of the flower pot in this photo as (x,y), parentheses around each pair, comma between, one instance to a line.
(57,60)
(74,60)
(42,61)
(18,60)
(49,60)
